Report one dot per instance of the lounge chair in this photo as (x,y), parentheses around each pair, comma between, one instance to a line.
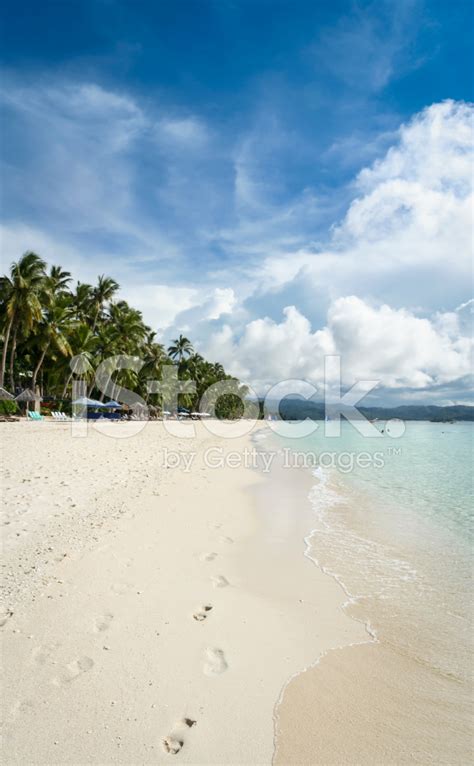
(34,415)
(61,417)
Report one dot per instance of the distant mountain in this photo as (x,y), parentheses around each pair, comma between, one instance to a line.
(299,409)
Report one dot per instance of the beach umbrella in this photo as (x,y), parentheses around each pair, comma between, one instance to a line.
(113,405)
(5,395)
(27,396)
(84,401)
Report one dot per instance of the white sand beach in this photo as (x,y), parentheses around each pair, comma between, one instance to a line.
(151,613)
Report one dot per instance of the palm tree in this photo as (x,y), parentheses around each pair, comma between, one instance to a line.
(128,329)
(155,357)
(82,300)
(122,331)
(181,347)
(57,280)
(20,293)
(104,292)
(52,334)
(219,371)
(83,342)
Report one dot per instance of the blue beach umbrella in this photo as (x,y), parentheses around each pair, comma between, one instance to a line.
(86,402)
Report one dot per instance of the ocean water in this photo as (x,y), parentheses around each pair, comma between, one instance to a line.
(396,531)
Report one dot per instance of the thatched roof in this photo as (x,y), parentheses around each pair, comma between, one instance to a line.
(4,394)
(27,396)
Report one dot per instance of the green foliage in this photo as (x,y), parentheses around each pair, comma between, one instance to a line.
(8,407)
(229,407)
(52,330)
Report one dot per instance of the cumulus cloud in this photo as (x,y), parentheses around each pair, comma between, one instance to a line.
(404,248)
(380,343)
(223,301)
(160,304)
(406,237)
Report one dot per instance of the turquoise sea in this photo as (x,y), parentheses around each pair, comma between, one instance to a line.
(397,534)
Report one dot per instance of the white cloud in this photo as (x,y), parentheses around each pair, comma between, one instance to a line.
(366,51)
(85,265)
(386,283)
(223,302)
(375,343)
(160,304)
(396,347)
(406,237)
(185,132)
(18,238)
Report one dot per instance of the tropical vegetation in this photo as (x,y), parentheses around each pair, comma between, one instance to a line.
(52,329)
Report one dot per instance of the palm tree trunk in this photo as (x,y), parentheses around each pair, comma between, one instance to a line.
(5,349)
(12,360)
(94,324)
(38,367)
(66,386)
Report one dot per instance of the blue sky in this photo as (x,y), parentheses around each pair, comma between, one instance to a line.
(276,179)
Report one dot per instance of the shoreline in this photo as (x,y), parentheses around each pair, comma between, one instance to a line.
(386,699)
(160,598)
(297,742)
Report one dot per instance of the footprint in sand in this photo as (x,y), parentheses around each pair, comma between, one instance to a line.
(78,667)
(225,539)
(175,741)
(5,616)
(219,581)
(208,556)
(171,745)
(103,623)
(215,662)
(21,706)
(44,654)
(201,613)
